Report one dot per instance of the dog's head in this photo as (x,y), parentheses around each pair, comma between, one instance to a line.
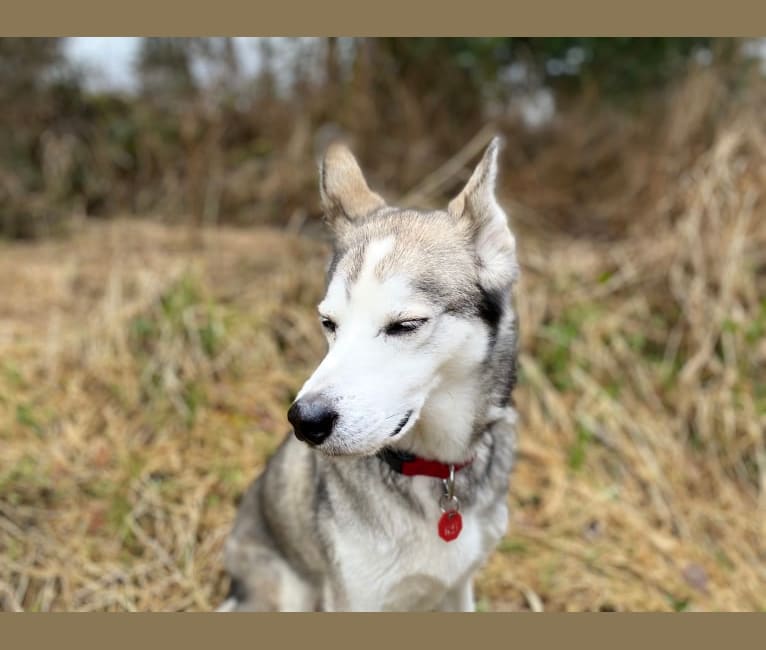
(413,303)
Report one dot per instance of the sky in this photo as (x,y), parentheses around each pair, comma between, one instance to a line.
(109,61)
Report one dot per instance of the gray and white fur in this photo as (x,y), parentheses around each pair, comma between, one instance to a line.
(421,359)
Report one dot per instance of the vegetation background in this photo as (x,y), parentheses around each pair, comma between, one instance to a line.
(162,254)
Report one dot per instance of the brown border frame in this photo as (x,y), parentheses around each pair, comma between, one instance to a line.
(383,18)
(371,631)
(390,17)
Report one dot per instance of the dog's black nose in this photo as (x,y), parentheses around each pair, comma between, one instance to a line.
(313,418)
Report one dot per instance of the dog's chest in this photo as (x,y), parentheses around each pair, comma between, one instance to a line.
(407,566)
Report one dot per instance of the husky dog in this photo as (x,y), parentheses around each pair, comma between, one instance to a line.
(393,490)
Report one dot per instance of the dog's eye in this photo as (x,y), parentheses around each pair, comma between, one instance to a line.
(328,324)
(399,328)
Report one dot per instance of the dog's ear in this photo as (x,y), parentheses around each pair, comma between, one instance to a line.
(343,189)
(479,210)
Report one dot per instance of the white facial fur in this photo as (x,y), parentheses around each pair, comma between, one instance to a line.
(376,379)
(435,374)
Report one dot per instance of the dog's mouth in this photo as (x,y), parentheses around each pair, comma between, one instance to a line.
(402,423)
(337,446)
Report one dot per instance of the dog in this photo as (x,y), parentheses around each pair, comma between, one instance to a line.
(392,492)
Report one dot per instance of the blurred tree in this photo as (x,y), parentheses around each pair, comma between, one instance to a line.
(618,67)
(219,55)
(165,67)
(25,66)
(266,81)
(332,68)
(445,71)
(39,98)
(464,70)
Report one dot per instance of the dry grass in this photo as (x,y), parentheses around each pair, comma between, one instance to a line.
(145,373)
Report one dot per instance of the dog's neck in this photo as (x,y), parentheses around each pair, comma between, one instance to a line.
(447,423)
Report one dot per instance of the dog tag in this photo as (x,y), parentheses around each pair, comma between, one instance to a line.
(450,525)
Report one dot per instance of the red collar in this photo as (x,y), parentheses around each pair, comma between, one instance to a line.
(410,465)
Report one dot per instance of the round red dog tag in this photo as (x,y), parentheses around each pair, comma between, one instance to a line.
(450,525)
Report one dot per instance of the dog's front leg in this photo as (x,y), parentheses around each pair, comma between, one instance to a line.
(459,598)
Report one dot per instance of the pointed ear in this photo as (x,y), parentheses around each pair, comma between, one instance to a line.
(343,189)
(477,207)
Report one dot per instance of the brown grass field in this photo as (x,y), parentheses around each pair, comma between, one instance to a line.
(145,373)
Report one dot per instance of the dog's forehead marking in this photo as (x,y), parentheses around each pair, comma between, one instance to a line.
(374,254)
(370,292)
(347,279)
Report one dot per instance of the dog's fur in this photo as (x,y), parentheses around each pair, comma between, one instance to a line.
(334,527)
